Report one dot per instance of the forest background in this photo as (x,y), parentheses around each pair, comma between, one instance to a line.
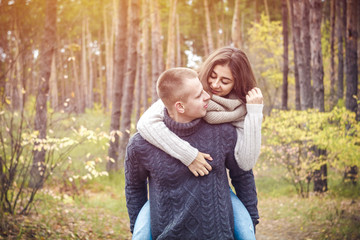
(75,76)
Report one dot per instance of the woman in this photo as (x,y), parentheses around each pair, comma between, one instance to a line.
(227,75)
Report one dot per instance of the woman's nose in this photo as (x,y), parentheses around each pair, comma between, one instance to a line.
(215,84)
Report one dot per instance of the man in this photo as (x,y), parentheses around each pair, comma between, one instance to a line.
(183,206)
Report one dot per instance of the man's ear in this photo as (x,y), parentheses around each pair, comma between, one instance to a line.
(179,107)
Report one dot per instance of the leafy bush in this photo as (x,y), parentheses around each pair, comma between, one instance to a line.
(19,142)
(291,136)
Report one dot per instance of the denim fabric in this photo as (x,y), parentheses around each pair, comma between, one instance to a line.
(243,225)
(142,228)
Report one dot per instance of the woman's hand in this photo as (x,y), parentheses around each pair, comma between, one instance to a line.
(200,166)
(254,96)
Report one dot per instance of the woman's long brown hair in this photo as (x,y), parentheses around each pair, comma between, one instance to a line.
(239,66)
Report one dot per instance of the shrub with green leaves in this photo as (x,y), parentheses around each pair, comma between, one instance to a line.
(290,138)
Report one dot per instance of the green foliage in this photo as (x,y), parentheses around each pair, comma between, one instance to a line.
(19,141)
(266,55)
(291,136)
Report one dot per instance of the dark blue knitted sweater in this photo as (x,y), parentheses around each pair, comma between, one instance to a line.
(183,206)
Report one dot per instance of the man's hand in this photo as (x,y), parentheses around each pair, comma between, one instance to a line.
(199,166)
(254,96)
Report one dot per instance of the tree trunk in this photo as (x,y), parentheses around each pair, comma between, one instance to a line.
(156,47)
(351,55)
(145,54)
(127,99)
(332,54)
(340,26)
(170,58)
(90,93)
(178,42)
(295,25)
(53,84)
(208,27)
(267,8)
(84,69)
(236,26)
(320,176)
(108,62)
(316,55)
(304,66)
(119,69)
(285,55)
(76,85)
(46,52)
(138,82)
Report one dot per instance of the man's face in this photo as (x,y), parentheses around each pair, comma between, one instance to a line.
(196,104)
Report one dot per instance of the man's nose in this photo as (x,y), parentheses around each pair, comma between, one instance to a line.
(206,96)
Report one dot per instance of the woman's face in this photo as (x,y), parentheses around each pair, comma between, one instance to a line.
(221,80)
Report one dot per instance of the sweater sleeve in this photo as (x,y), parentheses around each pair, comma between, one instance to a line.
(135,183)
(248,143)
(153,129)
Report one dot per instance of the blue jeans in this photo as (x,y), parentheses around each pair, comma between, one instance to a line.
(243,225)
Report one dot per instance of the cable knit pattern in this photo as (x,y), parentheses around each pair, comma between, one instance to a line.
(183,206)
(220,110)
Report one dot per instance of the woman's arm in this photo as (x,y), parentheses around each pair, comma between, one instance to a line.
(153,129)
(248,143)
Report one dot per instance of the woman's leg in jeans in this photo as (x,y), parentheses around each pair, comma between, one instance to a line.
(243,225)
(142,228)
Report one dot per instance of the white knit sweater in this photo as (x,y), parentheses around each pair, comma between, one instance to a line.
(220,110)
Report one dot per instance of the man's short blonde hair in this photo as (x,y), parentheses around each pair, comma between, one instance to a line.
(170,85)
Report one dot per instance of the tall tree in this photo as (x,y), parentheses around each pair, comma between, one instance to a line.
(53,84)
(145,53)
(351,55)
(156,47)
(119,69)
(317,70)
(340,30)
(332,53)
(90,88)
(209,37)
(304,65)
(236,26)
(320,175)
(46,53)
(170,58)
(178,42)
(295,25)
(351,69)
(284,10)
(127,98)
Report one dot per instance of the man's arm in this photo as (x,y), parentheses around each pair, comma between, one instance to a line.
(135,183)
(152,128)
(243,181)
(244,184)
